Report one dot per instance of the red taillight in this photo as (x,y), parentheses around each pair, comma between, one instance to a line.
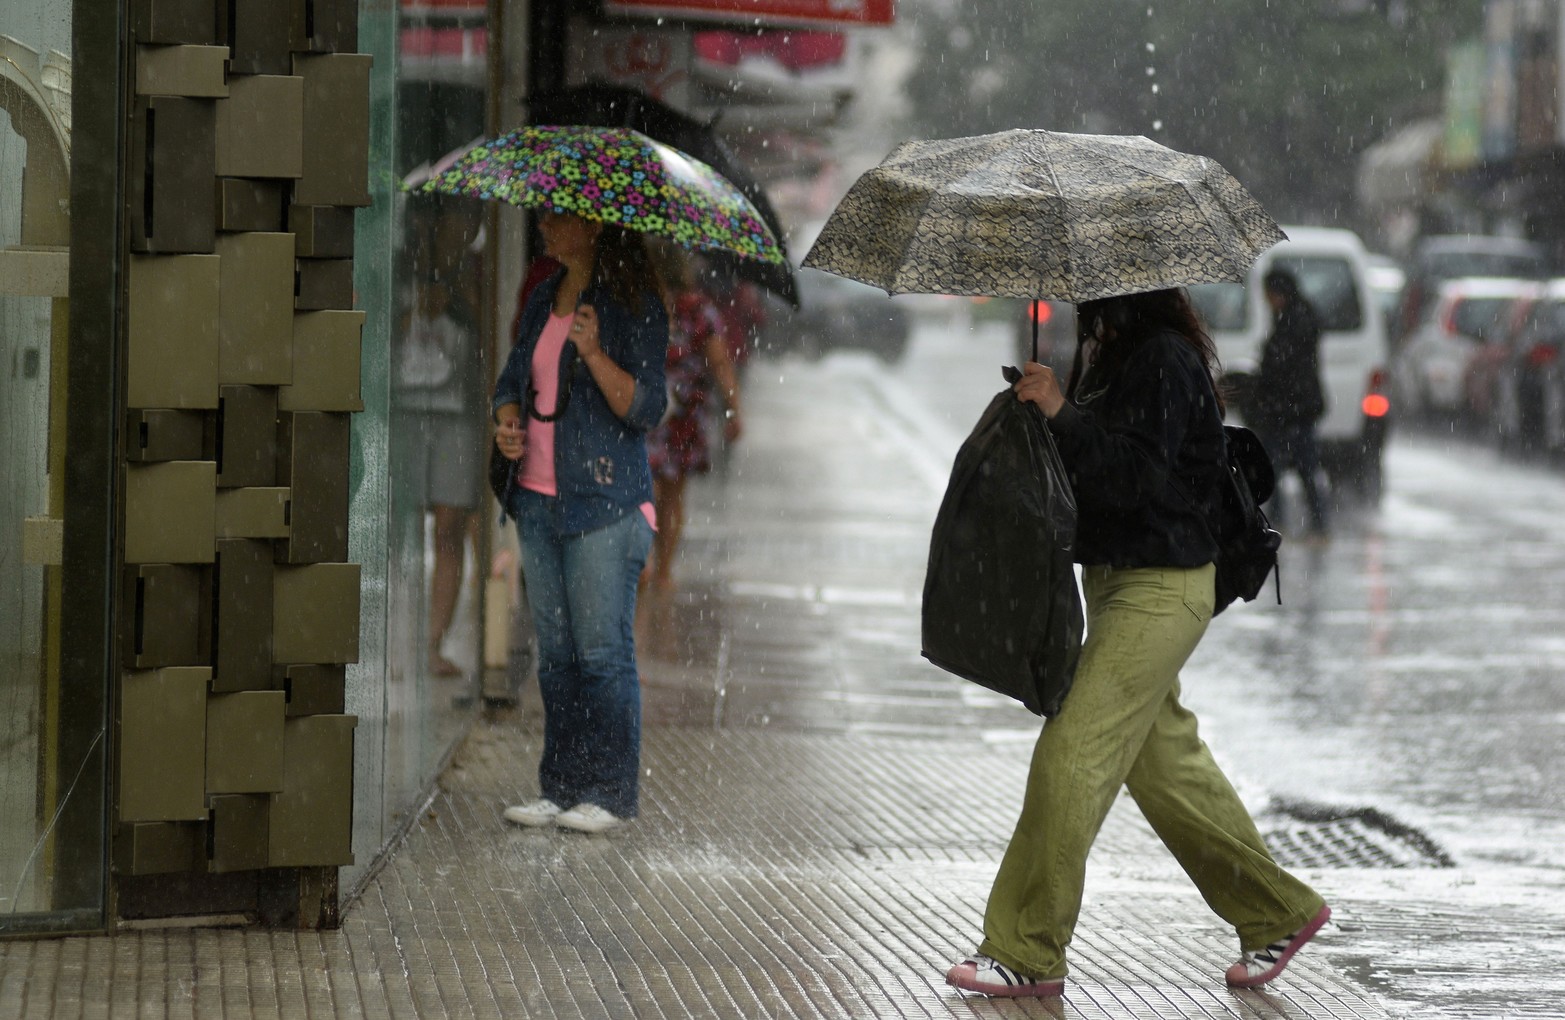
(1041,312)
(1542,355)
(1375,404)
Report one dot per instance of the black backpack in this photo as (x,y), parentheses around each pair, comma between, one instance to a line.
(1247,543)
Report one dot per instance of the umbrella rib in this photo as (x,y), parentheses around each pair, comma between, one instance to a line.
(1070,265)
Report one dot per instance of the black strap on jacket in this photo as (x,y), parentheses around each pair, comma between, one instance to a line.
(567,373)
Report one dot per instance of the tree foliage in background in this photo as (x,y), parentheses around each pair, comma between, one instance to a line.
(1285,93)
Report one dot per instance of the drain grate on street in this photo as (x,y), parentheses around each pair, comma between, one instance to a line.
(1319,836)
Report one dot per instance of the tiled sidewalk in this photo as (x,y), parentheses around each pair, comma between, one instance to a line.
(813,839)
(770,875)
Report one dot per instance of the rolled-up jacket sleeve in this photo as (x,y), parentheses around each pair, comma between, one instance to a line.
(646,362)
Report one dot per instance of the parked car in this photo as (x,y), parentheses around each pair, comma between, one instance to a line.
(1387,280)
(1430,377)
(837,313)
(1529,406)
(1442,257)
(1490,360)
(1333,270)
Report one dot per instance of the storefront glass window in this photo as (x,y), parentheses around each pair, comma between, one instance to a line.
(419,499)
(51,863)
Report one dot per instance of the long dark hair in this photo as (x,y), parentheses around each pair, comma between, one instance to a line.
(1117,324)
(620,263)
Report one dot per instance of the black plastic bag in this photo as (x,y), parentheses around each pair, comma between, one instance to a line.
(1000,602)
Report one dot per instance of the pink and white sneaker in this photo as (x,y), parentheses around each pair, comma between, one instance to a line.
(1255,969)
(979,973)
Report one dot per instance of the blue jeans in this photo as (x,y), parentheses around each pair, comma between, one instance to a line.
(583,594)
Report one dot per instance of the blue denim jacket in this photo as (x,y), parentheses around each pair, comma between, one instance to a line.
(600,459)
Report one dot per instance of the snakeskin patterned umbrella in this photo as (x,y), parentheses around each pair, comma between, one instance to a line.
(1043,214)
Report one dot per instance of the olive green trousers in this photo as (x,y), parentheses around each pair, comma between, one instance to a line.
(1122,725)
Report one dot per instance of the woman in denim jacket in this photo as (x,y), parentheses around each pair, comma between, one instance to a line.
(572,408)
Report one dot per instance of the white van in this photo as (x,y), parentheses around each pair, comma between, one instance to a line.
(1332,267)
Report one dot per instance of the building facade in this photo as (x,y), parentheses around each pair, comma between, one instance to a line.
(1489,161)
(228,509)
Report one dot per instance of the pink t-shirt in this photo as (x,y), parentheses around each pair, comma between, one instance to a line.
(538,463)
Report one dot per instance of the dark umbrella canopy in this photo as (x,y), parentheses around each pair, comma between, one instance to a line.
(608,105)
(1043,214)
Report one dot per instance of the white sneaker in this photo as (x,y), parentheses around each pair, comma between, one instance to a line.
(988,976)
(539,812)
(586,818)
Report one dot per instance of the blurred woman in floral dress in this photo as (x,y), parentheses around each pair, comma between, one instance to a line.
(698,364)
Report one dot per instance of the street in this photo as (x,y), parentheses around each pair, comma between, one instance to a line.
(1411,669)
(822,811)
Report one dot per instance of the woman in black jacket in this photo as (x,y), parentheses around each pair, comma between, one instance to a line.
(1141,436)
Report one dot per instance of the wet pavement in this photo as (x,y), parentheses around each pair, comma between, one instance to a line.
(823,811)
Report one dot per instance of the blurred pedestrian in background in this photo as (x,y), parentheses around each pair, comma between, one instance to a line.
(582,386)
(1137,430)
(699,364)
(1287,398)
(439,382)
(739,302)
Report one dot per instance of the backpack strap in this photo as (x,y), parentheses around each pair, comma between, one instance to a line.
(1229,470)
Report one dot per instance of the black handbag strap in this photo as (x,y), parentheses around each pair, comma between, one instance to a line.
(1185,494)
(563,399)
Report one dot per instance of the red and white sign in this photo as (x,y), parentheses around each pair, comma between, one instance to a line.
(797,50)
(767,12)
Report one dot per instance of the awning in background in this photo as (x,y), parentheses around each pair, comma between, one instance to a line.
(1393,171)
(764,12)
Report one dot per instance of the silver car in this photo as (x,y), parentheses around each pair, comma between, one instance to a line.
(1431,370)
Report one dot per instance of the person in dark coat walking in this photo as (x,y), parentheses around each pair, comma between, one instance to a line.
(1288,399)
(1138,430)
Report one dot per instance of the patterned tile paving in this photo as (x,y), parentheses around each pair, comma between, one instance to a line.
(771,874)
(813,841)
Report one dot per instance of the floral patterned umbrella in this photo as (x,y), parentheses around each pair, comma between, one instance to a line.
(616,176)
(1043,214)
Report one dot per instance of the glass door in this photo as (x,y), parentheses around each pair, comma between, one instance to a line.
(51,723)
